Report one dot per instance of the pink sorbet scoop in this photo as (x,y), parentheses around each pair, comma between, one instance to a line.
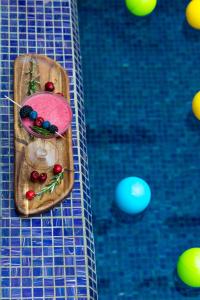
(51,107)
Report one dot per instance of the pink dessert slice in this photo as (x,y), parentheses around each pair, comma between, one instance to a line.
(51,107)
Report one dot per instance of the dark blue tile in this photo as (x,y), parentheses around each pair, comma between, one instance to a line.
(37,281)
(26,281)
(69,261)
(60,291)
(48,271)
(48,281)
(49,292)
(26,251)
(78,222)
(15,282)
(57,231)
(48,251)
(37,251)
(37,271)
(70,271)
(70,281)
(26,292)
(36,222)
(59,271)
(37,261)
(5,282)
(58,261)
(6,293)
(58,251)
(82,291)
(48,261)
(26,272)
(5,272)
(71,291)
(69,251)
(38,292)
(15,293)
(59,281)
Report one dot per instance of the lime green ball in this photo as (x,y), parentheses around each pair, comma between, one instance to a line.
(188,267)
(141,7)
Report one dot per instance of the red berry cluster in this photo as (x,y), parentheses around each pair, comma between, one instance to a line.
(35,176)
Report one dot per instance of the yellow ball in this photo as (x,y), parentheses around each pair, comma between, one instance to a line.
(196,105)
(193,14)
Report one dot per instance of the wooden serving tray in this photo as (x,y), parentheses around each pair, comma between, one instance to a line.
(46,70)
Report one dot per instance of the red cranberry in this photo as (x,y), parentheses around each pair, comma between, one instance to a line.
(38,122)
(43,177)
(30,195)
(49,86)
(61,94)
(34,176)
(40,119)
(57,169)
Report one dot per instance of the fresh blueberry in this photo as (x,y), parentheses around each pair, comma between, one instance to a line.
(53,129)
(25,111)
(46,124)
(33,115)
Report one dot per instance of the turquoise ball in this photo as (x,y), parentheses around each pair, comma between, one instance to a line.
(33,115)
(133,195)
(46,124)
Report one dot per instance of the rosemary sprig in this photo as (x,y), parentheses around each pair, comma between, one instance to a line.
(33,83)
(49,188)
(41,131)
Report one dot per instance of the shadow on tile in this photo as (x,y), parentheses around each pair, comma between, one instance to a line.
(124,218)
(180,221)
(116,134)
(192,123)
(190,33)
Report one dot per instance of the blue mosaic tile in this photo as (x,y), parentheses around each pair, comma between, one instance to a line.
(39,256)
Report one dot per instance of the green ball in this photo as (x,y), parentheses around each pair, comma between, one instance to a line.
(188,267)
(141,7)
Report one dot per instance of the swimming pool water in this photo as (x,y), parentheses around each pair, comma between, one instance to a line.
(140,75)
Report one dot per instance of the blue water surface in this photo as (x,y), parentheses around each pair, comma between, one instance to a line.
(140,75)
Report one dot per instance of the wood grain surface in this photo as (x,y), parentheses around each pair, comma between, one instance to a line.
(47,70)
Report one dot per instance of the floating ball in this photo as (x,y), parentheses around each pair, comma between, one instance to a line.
(141,7)
(196,105)
(133,195)
(188,267)
(193,14)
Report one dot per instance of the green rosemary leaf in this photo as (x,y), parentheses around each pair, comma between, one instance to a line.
(50,187)
(33,83)
(40,130)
